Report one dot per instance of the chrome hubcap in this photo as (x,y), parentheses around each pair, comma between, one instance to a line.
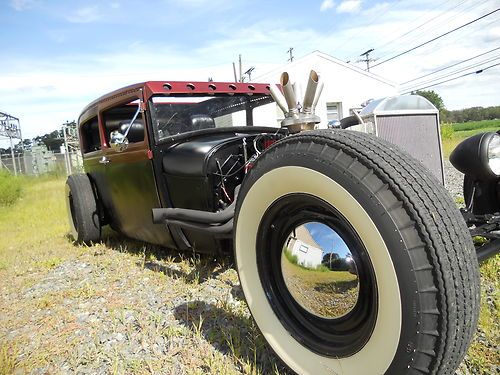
(319,271)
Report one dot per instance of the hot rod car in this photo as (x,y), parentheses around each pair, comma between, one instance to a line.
(352,257)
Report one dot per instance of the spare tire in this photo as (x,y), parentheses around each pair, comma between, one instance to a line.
(353,259)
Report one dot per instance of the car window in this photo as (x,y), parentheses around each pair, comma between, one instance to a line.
(118,118)
(182,114)
(90,135)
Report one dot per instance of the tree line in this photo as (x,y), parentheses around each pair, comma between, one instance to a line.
(459,115)
(53,141)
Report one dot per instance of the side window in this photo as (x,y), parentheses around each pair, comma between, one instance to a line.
(118,118)
(90,135)
(333,111)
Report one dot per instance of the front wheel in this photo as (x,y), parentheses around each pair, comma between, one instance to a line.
(354,260)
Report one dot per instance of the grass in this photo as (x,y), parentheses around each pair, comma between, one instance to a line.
(10,188)
(8,358)
(201,337)
(33,231)
(474,125)
(453,134)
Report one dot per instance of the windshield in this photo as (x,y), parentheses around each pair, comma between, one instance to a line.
(173,115)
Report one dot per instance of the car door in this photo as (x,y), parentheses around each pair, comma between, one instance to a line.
(130,182)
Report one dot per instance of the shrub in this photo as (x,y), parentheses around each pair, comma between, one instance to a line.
(294,259)
(10,188)
(446,131)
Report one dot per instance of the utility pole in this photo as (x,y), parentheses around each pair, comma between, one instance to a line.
(367,59)
(290,52)
(234,71)
(249,73)
(241,76)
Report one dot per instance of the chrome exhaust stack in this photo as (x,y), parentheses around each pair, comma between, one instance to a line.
(298,117)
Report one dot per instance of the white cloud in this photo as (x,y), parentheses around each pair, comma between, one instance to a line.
(21,5)
(41,92)
(326,4)
(85,15)
(349,6)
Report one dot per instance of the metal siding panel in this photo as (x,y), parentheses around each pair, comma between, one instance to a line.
(418,135)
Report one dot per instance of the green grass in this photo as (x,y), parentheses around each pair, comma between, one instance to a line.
(481,357)
(33,231)
(475,125)
(10,188)
(455,133)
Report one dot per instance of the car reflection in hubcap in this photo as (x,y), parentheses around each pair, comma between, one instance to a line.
(319,271)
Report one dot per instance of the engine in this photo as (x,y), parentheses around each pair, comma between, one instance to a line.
(202,173)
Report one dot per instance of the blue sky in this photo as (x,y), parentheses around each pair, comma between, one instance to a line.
(59,55)
(328,239)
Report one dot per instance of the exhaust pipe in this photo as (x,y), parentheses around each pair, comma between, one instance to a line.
(291,99)
(278,98)
(298,118)
(309,96)
(319,90)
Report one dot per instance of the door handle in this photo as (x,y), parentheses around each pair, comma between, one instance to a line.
(104,160)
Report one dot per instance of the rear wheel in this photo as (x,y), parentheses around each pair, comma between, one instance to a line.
(354,260)
(82,209)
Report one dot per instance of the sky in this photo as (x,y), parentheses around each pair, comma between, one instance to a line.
(57,55)
(328,239)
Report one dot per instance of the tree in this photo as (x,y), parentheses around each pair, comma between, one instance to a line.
(436,100)
(433,97)
(52,140)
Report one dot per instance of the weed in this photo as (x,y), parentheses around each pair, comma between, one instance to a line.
(8,359)
(198,328)
(447,131)
(10,188)
(49,263)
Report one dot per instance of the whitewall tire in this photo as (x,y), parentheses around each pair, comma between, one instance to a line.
(417,301)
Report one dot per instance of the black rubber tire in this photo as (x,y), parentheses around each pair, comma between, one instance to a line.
(82,208)
(423,233)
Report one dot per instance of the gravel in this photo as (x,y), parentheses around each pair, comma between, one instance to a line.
(453,180)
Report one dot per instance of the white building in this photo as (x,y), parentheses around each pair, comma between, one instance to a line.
(346,86)
(304,247)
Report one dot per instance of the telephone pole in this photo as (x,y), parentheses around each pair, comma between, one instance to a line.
(367,59)
(290,52)
(249,73)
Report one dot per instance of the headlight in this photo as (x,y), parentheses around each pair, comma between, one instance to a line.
(494,154)
(478,156)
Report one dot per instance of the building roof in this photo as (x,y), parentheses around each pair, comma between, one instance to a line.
(321,55)
(303,234)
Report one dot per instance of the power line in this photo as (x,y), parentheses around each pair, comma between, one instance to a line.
(397,4)
(417,37)
(475,65)
(436,38)
(450,66)
(377,17)
(452,79)
(423,24)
